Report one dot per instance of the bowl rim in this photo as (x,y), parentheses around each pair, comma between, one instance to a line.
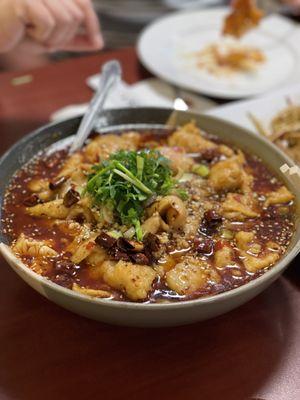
(265,277)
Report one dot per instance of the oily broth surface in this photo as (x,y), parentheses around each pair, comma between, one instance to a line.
(270,226)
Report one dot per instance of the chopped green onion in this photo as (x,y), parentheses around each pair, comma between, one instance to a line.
(140,167)
(127,181)
(80,190)
(129,233)
(227,234)
(201,170)
(134,181)
(182,193)
(115,234)
(186,178)
(138,230)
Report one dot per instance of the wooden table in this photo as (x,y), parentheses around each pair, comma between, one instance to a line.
(49,353)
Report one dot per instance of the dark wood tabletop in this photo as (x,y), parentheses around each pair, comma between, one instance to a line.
(49,353)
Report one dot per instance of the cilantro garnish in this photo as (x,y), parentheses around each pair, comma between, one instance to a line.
(127,180)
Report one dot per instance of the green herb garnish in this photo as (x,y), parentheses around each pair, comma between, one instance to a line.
(201,170)
(127,180)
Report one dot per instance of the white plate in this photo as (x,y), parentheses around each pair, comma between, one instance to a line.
(166,45)
(264,108)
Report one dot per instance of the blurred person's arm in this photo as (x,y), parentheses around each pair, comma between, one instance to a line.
(49,24)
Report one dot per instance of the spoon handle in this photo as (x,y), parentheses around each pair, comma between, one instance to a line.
(111,74)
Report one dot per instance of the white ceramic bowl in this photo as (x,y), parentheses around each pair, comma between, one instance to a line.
(137,314)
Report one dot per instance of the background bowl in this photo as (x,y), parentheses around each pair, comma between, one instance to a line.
(136,314)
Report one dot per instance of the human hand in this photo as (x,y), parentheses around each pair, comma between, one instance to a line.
(52,24)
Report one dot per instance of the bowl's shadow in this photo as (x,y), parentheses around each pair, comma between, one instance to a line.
(50,353)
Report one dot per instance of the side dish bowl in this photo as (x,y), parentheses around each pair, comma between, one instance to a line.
(144,314)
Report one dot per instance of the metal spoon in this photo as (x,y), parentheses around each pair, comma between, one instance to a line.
(110,75)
